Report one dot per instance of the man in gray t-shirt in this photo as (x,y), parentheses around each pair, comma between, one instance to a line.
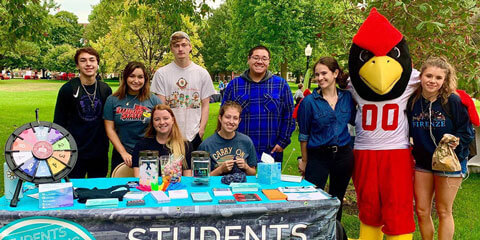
(223,150)
(186,87)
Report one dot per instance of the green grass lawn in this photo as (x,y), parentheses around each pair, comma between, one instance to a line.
(20,98)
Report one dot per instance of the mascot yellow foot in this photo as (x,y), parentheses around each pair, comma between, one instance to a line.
(368,232)
(400,237)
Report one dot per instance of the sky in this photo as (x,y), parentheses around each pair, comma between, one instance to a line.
(83,8)
(80,8)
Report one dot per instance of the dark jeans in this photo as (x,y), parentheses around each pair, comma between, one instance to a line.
(94,168)
(323,162)
(196,142)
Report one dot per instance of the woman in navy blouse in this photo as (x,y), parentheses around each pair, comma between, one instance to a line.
(324,139)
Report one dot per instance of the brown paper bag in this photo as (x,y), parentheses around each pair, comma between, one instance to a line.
(444,157)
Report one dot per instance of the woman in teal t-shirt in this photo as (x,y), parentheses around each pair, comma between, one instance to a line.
(228,147)
(127,112)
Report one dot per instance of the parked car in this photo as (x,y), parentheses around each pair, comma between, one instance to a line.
(65,76)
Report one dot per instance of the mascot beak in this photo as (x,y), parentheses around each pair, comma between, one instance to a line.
(381,73)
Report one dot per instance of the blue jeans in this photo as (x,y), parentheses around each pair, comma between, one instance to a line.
(461,173)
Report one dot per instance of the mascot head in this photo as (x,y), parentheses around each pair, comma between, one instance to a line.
(379,61)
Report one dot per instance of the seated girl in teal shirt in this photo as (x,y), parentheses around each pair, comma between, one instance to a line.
(228,147)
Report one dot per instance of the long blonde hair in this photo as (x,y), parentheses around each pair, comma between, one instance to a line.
(175,142)
(449,86)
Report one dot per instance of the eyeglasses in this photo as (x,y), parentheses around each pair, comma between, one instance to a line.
(258,58)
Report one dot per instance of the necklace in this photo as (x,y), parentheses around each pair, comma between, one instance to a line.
(332,101)
(91,96)
(128,102)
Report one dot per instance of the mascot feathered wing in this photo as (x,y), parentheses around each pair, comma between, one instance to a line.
(381,81)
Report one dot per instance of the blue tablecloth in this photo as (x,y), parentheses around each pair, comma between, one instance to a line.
(312,219)
(29,203)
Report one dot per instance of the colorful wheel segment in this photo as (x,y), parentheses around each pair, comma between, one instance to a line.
(41,152)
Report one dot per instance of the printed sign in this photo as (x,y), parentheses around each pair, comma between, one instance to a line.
(44,228)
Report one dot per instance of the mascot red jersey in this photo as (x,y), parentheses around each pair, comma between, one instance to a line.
(381,81)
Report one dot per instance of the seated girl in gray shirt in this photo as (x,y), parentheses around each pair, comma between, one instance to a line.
(228,147)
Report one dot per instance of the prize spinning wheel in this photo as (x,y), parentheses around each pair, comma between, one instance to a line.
(40,152)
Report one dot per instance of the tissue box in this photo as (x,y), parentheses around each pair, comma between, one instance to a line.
(269,173)
(55,195)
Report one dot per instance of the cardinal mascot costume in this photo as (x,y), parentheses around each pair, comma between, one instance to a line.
(381,81)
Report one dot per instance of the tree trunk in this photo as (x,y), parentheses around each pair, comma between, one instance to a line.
(284,69)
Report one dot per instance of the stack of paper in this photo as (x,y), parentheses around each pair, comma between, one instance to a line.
(160,196)
(201,197)
(291,178)
(298,189)
(219,192)
(244,187)
(102,203)
(178,194)
(137,195)
(274,194)
(305,196)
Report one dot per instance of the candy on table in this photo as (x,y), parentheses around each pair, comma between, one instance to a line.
(154,186)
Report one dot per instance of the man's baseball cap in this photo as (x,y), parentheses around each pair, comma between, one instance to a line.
(179,34)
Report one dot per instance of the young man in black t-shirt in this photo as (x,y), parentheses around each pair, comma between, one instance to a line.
(79,109)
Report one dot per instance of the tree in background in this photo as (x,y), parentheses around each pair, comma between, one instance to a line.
(25,54)
(140,31)
(23,24)
(63,28)
(283,26)
(445,27)
(32,38)
(101,18)
(60,58)
(63,36)
(214,34)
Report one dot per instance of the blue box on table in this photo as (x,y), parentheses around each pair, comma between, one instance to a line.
(269,173)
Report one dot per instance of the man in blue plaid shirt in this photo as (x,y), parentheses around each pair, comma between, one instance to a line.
(267,105)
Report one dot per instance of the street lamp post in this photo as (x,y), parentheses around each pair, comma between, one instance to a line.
(308,53)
